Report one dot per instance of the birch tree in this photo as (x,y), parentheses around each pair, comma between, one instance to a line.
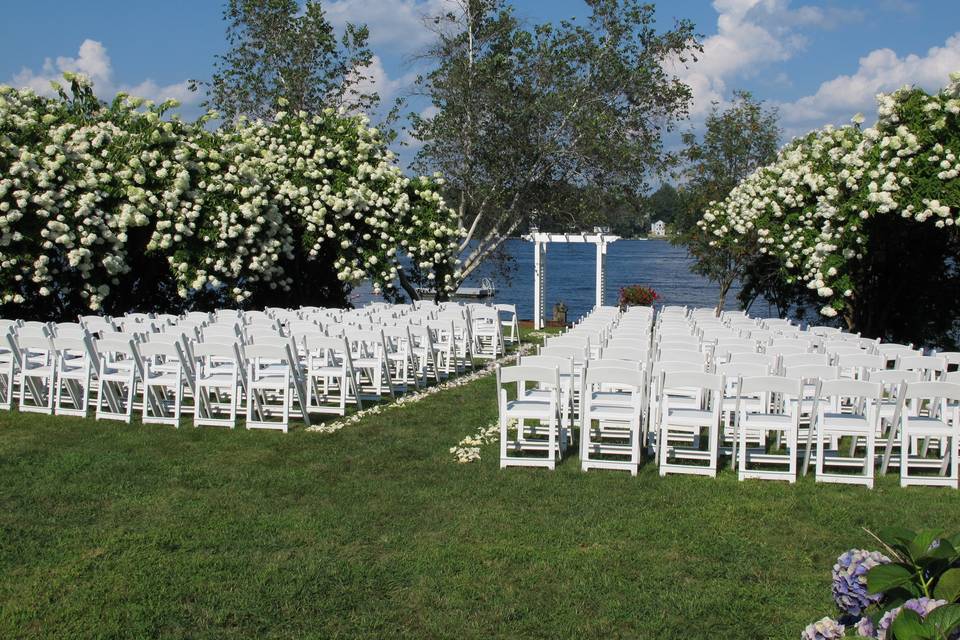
(523,118)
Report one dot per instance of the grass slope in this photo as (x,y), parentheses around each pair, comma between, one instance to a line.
(110,530)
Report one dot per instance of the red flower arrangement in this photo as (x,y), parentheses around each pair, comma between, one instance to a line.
(637,296)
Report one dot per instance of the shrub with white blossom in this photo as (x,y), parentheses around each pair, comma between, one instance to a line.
(813,207)
(103,204)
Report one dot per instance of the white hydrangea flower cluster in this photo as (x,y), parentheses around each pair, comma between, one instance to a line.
(810,206)
(83,186)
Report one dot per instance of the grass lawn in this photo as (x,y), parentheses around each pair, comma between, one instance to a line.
(110,530)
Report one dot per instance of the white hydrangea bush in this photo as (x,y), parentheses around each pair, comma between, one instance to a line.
(87,189)
(810,207)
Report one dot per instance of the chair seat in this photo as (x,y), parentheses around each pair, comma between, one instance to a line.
(924,426)
(326,372)
(367,363)
(845,423)
(689,418)
(216,379)
(161,378)
(116,368)
(39,370)
(74,369)
(767,421)
(529,409)
(612,412)
(270,381)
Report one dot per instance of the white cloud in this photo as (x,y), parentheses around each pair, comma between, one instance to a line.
(752,34)
(881,70)
(93,61)
(395,25)
(377,79)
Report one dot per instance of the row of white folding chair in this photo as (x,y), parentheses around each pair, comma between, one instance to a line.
(58,375)
(852,408)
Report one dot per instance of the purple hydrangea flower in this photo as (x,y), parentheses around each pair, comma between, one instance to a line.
(824,629)
(922,606)
(865,628)
(850,580)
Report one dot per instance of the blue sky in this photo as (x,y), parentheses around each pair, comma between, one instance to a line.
(819,61)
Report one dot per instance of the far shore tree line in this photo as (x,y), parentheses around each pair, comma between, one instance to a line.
(566,125)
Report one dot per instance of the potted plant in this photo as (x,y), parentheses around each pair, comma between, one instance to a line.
(636,295)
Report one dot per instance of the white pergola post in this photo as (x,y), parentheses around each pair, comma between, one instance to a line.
(539,282)
(601,271)
(540,242)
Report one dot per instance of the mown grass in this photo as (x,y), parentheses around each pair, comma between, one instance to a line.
(110,530)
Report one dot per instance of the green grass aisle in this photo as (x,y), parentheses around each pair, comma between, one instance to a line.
(109,530)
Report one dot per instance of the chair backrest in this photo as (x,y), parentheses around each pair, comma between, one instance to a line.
(524,374)
(771,384)
(861,361)
(930,367)
(952,358)
(742,369)
(790,360)
(824,331)
(673,365)
(624,353)
(768,360)
(812,372)
(693,357)
(694,380)
(948,391)
(564,365)
(269,340)
(679,345)
(258,355)
(69,330)
(154,350)
(893,376)
(616,374)
(218,332)
(218,350)
(113,347)
(577,354)
(843,388)
(71,348)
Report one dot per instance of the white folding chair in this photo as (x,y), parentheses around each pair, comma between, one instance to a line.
(543,411)
(846,408)
(780,414)
(217,372)
(675,454)
(507,314)
(74,375)
(331,380)
(403,368)
(38,368)
(8,364)
(612,396)
(116,378)
(935,415)
(273,384)
(164,381)
(368,351)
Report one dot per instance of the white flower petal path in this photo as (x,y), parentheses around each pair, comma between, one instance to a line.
(417,396)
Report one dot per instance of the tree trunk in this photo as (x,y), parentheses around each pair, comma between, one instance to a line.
(407,286)
(724,289)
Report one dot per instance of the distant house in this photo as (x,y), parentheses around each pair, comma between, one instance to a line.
(658,229)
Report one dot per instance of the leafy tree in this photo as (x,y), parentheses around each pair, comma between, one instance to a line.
(664,204)
(532,125)
(279,49)
(737,140)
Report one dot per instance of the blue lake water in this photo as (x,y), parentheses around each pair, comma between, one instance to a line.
(570,278)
